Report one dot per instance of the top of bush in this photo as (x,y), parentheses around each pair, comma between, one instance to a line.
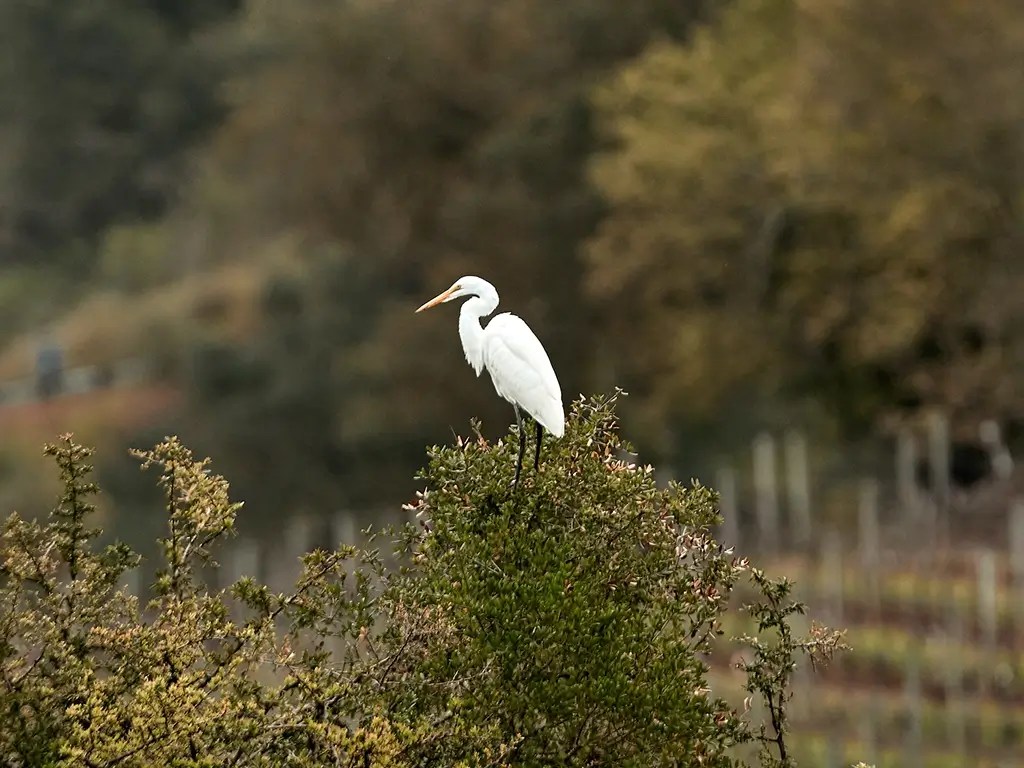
(564,623)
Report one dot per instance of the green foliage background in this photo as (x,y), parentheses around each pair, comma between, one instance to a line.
(748,213)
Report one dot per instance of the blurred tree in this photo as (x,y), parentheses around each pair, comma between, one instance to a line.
(270,408)
(419,143)
(98,100)
(820,198)
(134,257)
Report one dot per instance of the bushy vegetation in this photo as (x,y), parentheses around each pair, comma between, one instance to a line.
(566,623)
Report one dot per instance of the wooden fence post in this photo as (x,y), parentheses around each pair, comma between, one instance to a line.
(798,488)
(803,691)
(869,731)
(991,437)
(344,529)
(938,463)
(835,756)
(766,501)
(131,582)
(725,483)
(928,530)
(955,706)
(1016,542)
(906,477)
(284,568)
(870,544)
(832,576)
(242,559)
(914,704)
(988,616)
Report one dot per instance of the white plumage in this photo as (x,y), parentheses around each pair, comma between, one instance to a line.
(512,354)
(521,371)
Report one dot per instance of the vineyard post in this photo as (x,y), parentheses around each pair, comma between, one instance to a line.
(955,704)
(870,560)
(766,501)
(988,617)
(725,484)
(914,704)
(869,730)
(284,565)
(991,437)
(344,531)
(928,530)
(987,593)
(244,558)
(906,478)
(938,464)
(835,751)
(131,582)
(832,575)
(1016,543)
(798,488)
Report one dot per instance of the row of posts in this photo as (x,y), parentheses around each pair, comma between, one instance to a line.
(926,515)
(924,512)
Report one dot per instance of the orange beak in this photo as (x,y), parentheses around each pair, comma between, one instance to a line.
(439,299)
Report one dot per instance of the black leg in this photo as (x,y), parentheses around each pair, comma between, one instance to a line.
(522,447)
(536,455)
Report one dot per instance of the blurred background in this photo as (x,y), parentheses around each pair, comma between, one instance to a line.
(792,230)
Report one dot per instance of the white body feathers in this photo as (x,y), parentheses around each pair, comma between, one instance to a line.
(520,370)
(512,354)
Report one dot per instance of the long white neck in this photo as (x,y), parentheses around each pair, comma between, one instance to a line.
(470,330)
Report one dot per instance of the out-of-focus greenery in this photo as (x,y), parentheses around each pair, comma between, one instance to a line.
(745,212)
(98,101)
(383,150)
(821,197)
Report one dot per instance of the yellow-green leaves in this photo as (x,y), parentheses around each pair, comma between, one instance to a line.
(567,623)
(817,191)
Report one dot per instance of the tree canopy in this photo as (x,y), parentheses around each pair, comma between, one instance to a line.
(746,213)
(98,101)
(819,198)
(396,148)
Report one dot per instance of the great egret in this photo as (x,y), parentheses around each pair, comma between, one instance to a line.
(512,354)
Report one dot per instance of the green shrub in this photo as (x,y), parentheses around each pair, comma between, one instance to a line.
(562,624)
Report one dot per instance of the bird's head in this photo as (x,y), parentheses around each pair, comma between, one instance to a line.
(469,285)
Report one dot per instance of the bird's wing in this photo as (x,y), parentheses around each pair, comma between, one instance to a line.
(522,372)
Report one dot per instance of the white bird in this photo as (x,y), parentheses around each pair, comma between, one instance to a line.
(512,355)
